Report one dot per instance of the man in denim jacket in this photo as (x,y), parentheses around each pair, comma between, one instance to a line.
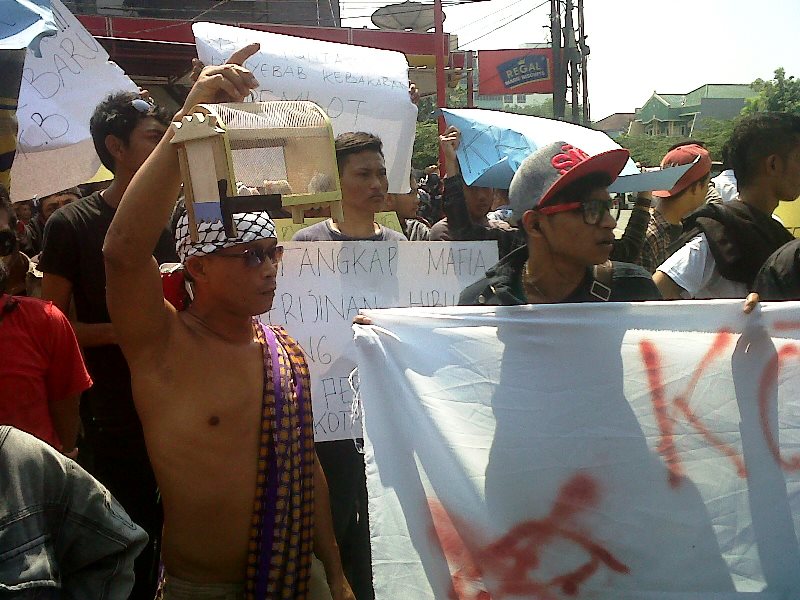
(62,534)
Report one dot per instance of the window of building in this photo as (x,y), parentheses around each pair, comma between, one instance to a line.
(521,98)
(508,98)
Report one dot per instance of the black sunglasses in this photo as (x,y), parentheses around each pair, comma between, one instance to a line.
(255,257)
(593,210)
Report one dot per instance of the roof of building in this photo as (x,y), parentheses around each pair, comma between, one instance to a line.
(708,90)
(615,122)
(676,107)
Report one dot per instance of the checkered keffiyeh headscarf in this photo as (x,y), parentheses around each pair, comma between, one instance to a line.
(250,227)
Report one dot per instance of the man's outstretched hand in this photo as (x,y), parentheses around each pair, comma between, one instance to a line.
(230,82)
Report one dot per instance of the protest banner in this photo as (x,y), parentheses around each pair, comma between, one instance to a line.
(494,144)
(58,94)
(360,89)
(23,24)
(605,451)
(323,285)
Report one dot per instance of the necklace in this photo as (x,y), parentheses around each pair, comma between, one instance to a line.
(527,280)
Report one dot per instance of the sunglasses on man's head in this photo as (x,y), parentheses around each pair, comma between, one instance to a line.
(142,105)
(255,257)
(593,210)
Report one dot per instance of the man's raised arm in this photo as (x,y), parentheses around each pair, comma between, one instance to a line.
(133,285)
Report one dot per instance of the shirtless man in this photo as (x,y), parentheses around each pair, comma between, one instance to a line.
(200,380)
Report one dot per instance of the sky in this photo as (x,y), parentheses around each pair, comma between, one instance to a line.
(638,46)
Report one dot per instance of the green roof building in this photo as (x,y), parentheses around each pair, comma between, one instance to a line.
(683,114)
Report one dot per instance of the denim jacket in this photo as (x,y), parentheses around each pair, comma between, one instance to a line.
(62,534)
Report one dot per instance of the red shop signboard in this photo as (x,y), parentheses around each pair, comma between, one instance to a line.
(522,71)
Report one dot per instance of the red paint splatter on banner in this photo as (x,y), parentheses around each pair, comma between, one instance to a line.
(786,325)
(508,563)
(769,379)
(666,447)
(661,408)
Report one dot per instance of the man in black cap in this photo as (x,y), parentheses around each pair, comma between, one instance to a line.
(559,197)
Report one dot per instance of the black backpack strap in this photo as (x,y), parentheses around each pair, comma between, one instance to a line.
(601,286)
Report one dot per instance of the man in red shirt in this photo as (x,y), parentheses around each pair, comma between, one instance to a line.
(41,368)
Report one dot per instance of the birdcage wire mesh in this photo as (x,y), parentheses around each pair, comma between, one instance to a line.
(260,133)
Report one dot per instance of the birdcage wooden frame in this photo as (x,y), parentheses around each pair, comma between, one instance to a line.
(208,135)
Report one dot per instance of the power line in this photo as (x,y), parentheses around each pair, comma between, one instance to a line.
(504,24)
(193,19)
(482,21)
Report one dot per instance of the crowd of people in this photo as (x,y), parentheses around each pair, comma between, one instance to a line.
(198,421)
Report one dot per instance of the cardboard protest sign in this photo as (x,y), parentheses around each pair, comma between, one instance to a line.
(360,89)
(604,451)
(323,285)
(494,144)
(58,94)
(24,23)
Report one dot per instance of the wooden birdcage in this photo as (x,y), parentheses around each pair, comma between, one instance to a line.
(267,150)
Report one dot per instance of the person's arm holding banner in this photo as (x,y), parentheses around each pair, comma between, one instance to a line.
(454,204)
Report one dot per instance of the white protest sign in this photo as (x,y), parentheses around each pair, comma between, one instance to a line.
(606,451)
(323,285)
(360,89)
(58,94)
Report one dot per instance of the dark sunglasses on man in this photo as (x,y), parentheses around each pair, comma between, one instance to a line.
(255,257)
(593,210)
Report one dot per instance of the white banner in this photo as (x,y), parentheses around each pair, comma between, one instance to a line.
(58,94)
(323,285)
(360,89)
(604,451)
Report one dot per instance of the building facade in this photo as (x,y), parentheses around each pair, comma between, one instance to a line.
(614,125)
(311,13)
(682,114)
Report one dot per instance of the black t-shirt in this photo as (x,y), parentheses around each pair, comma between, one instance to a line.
(503,284)
(73,249)
(779,278)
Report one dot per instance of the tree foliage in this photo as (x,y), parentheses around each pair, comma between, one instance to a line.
(646,149)
(426,145)
(650,149)
(779,94)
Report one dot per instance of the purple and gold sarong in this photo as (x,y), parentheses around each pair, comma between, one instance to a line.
(280,547)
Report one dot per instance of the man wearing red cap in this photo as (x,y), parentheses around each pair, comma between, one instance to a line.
(725,245)
(688,194)
(559,197)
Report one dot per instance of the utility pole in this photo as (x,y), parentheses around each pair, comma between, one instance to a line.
(584,49)
(571,55)
(559,72)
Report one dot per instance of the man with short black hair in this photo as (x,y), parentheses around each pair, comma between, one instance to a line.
(406,207)
(362,176)
(47,206)
(224,400)
(125,129)
(362,173)
(688,194)
(559,196)
(725,245)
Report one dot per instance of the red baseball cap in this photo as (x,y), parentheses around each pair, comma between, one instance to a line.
(685,155)
(551,168)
